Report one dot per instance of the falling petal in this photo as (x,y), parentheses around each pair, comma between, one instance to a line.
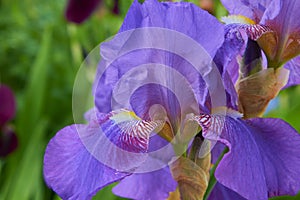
(152,180)
(252,146)
(151,185)
(121,134)
(71,170)
(221,192)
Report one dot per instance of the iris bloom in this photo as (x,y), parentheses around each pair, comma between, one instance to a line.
(117,143)
(8,139)
(275,26)
(157,76)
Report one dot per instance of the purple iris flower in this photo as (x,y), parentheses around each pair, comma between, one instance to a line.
(8,139)
(236,39)
(276,26)
(155,77)
(119,142)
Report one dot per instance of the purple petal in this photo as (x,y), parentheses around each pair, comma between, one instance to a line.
(121,134)
(151,185)
(294,67)
(282,16)
(7,104)
(233,46)
(79,10)
(71,171)
(217,151)
(156,94)
(152,180)
(154,71)
(160,154)
(227,59)
(132,54)
(253,9)
(183,17)
(264,152)
(221,192)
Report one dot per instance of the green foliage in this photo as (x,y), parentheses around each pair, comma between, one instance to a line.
(40,55)
(288,107)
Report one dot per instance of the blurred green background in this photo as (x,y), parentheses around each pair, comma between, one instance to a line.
(40,55)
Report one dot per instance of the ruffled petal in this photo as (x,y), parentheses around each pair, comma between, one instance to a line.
(81,159)
(159,53)
(183,17)
(262,151)
(253,9)
(294,67)
(227,57)
(152,185)
(71,170)
(221,192)
(79,10)
(7,104)
(234,45)
(282,15)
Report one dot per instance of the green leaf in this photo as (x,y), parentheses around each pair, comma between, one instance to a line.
(28,177)
(25,166)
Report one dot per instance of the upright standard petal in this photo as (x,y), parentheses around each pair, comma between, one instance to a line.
(71,170)
(262,151)
(227,59)
(7,104)
(183,17)
(79,10)
(253,9)
(120,54)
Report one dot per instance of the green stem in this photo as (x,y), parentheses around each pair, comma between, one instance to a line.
(212,179)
